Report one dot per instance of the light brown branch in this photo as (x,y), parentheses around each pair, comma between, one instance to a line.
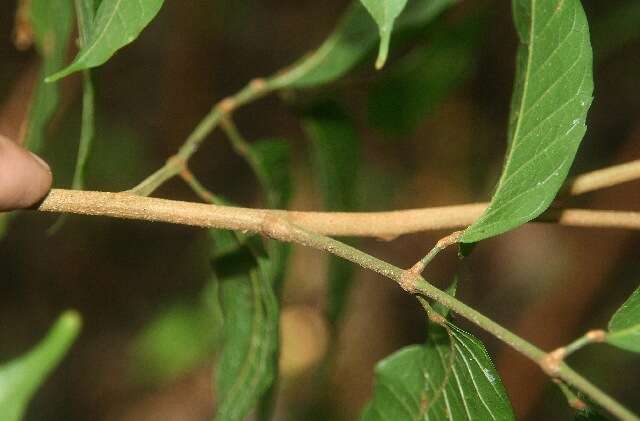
(605,177)
(277,225)
(385,225)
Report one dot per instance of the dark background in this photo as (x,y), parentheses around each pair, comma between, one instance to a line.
(547,283)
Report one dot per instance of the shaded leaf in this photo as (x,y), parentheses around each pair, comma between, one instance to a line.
(335,155)
(20,378)
(616,29)
(354,37)
(589,414)
(250,278)
(116,24)
(417,85)
(86,131)
(552,94)
(384,12)
(248,361)
(450,377)
(85,16)
(273,167)
(175,341)
(624,326)
(51,22)
(5,218)
(451,290)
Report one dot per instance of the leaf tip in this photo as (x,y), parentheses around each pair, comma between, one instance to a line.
(71,320)
(59,75)
(382,57)
(383,51)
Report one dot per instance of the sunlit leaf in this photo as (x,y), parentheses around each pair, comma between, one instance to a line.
(116,24)
(20,378)
(624,326)
(552,94)
(384,12)
(354,37)
(451,377)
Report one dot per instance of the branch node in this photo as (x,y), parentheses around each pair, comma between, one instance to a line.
(276,228)
(437,318)
(552,361)
(596,335)
(258,84)
(578,404)
(177,161)
(449,240)
(410,277)
(227,105)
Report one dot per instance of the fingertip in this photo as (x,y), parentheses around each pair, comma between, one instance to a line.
(25,178)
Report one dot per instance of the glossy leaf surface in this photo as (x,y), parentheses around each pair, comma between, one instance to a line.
(552,94)
(116,24)
(451,377)
(624,326)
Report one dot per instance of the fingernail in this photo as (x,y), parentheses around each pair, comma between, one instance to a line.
(41,162)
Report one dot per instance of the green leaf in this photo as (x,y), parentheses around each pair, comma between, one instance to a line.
(248,362)
(86,131)
(84,16)
(589,414)
(624,326)
(175,341)
(354,37)
(20,378)
(335,155)
(250,278)
(272,163)
(117,23)
(452,289)
(384,12)
(552,94)
(451,377)
(426,77)
(51,22)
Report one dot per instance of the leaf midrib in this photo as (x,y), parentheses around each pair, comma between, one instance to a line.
(100,35)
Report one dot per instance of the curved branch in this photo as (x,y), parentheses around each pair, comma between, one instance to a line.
(278,225)
(385,225)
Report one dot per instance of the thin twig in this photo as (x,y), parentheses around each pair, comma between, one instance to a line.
(277,227)
(255,89)
(605,177)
